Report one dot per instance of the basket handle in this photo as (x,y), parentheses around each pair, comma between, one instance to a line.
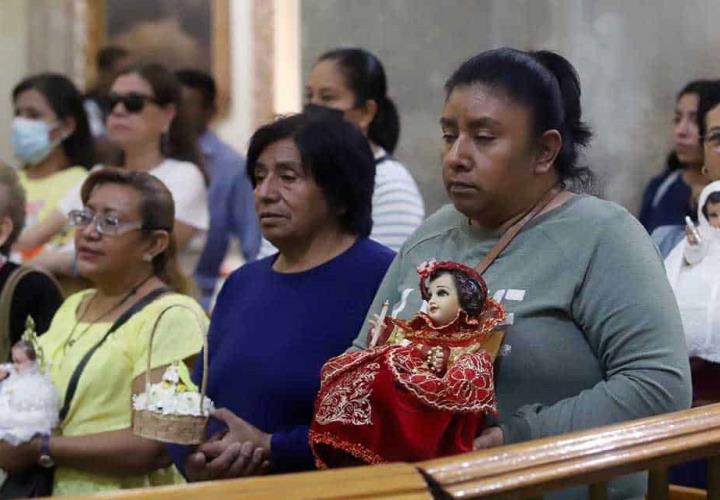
(203,384)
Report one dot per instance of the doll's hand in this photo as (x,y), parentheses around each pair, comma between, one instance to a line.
(375,323)
(437,359)
(690,234)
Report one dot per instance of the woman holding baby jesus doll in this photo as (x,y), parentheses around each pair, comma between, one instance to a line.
(97,346)
(423,387)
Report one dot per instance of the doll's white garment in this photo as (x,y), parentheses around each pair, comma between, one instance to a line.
(28,406)
(694,274)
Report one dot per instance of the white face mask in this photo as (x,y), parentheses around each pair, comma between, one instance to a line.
(31,140)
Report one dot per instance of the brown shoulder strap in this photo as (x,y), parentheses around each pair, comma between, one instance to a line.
(513,230)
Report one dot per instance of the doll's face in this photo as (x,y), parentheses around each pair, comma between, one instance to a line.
(20,359)
(443,303)
(713,214)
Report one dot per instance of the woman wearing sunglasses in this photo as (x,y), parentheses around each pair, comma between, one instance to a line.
(146,122)
(124,240)
(53,147)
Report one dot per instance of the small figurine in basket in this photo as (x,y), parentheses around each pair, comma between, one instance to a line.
(28,398)
(422,388)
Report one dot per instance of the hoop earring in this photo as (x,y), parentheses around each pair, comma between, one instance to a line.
(704,170)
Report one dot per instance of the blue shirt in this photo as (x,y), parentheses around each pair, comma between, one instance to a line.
(666,201)
(232,211)
(270,335)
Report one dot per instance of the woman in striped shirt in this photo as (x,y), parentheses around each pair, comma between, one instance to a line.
(352,80)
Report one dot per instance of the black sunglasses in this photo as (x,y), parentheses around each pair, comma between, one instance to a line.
(133,103)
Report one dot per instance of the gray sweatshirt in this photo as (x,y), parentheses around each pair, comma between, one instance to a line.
(594,334)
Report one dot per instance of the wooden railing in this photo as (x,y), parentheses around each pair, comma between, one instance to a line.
(517,471)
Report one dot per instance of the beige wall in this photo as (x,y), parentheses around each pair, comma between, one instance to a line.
(13,61)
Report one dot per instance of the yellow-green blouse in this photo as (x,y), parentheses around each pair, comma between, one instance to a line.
(102,401)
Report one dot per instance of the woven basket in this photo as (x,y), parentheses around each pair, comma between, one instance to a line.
(179,429)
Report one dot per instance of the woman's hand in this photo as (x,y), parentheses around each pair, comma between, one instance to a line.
(20,457)
(489,438)
(243,450)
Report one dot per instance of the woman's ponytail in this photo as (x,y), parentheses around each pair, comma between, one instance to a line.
(365,76)
(576,134)
(384,130)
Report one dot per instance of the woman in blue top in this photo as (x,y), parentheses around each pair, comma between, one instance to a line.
(670,196)
(277,320)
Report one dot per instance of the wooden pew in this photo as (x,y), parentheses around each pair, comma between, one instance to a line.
(524,470)
(401,481)
(587,457)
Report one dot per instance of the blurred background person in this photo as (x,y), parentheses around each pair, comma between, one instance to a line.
(352,80)
(672,195)
(33,294)
(148,123)
(110,61)
(54,148)
(230,196)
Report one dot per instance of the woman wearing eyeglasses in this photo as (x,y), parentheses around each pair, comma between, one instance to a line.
(146,122)
(125,247)
(53,148)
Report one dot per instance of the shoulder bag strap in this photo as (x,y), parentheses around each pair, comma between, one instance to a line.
(513,230)
(124,317)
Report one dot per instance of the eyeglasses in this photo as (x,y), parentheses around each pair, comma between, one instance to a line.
(133,102)
(105,224)
(712,141)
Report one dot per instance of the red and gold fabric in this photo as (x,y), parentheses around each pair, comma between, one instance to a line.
(385,404)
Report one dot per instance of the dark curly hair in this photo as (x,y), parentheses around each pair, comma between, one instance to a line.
(471,295)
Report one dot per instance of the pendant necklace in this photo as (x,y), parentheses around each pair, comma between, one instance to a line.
(72,339)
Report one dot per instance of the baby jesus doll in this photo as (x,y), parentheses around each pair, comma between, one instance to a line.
(28,399)
(423,387)
(693,269)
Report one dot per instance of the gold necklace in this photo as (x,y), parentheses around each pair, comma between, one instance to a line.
(70,342)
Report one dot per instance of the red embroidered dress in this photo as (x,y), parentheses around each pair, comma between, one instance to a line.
(384,404)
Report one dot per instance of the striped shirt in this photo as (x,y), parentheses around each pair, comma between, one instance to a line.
(397,206)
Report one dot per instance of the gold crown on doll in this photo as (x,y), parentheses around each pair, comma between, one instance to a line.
(30,337)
